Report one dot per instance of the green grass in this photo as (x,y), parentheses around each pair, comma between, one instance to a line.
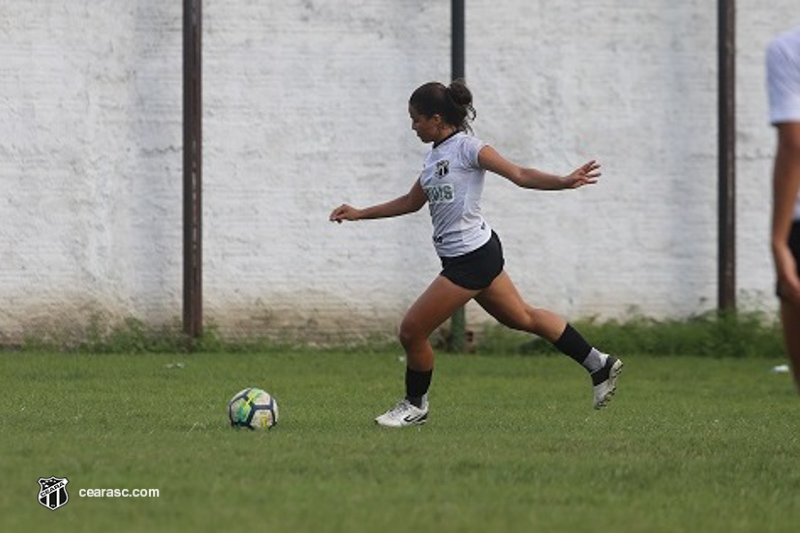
(688,444)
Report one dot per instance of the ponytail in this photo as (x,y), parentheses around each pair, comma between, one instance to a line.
(453,103)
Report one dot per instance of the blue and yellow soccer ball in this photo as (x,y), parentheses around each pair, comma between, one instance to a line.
(253,409)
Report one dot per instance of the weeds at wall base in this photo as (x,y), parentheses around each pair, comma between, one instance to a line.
(133,335)
(713,334)
(710,335)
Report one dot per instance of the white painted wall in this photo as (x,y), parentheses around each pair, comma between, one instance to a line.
(305,108)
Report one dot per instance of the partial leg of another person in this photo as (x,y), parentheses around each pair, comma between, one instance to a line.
(790,319)
(438,303)
(502,300)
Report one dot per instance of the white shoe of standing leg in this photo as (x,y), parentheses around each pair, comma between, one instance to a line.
(404,414)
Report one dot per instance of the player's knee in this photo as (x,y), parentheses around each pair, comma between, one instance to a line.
(409,334)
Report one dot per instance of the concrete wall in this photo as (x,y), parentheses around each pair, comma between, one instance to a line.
(305,108)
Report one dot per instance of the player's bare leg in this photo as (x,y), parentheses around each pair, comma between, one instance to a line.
(438,303)
(790,317)
(503,301)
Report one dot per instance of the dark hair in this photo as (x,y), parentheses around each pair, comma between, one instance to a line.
(453,103)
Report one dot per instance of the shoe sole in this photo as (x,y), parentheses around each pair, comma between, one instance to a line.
(613,374)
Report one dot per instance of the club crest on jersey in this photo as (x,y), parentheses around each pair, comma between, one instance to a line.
(442,168)
(53,492)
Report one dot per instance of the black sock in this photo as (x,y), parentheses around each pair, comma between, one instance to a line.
(417,385)
(573,344)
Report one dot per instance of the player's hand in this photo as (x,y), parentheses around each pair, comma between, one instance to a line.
(586,174)
(344,212)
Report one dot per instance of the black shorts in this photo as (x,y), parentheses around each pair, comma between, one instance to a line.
(477,269)
(794,246)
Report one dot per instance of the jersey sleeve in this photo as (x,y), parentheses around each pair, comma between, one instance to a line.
(783,83)
(470,149)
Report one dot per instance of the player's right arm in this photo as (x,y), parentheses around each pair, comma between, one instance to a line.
(786,186)
(531,178)
(408,203)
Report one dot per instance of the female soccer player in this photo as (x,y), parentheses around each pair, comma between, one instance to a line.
(451,183)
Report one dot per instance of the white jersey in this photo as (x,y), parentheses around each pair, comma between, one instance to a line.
(783,83)
(453,183)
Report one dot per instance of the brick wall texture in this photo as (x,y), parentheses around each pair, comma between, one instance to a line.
(305,107)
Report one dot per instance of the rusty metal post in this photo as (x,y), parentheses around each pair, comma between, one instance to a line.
(192,169)
(726,34)
(458,323)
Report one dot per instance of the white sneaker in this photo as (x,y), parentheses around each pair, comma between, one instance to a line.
(605,381)
(404,414)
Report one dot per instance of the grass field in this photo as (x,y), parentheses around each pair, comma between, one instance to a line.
(688,444)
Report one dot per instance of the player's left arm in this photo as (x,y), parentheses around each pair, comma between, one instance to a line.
(531,178)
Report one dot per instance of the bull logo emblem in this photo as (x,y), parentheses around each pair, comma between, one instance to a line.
(53,492)
(442,168)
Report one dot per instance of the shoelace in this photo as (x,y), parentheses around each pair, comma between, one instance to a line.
(401,407)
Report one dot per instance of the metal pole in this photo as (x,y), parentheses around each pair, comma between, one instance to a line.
(192,169)
(457,45)
(727,154)
(458,323)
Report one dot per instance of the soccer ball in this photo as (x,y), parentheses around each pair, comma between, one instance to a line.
(253,408)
